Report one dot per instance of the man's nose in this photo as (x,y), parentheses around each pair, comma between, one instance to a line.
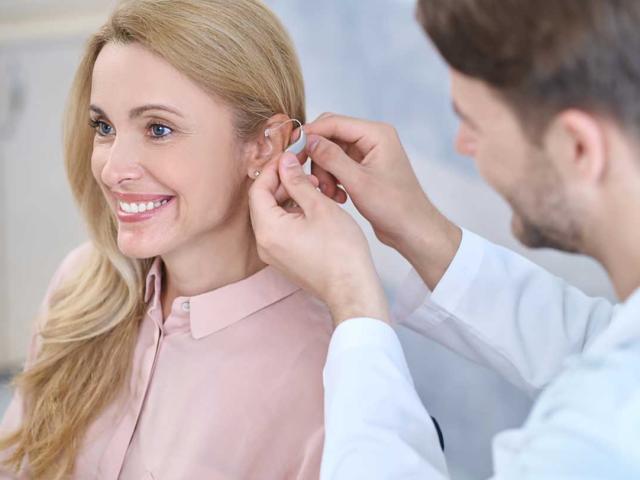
(122,164)
(464,142)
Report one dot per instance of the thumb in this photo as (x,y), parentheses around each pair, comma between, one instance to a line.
(297,184)
(263,206)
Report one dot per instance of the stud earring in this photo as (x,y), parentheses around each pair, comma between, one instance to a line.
(256,173)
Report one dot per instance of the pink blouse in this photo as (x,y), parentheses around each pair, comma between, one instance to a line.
(229,386)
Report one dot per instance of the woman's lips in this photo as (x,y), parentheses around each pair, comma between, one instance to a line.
(143,208)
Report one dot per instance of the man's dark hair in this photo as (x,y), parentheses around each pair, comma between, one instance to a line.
(545,56)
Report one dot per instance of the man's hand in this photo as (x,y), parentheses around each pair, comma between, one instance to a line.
(318,245)
(369,162)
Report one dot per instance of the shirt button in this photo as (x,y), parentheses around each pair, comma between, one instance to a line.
(186,306)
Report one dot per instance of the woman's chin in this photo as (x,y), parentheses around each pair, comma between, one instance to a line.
(139,248)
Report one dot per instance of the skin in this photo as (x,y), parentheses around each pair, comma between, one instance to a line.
(530,181)
(577,189)
(316,235)
(192,155)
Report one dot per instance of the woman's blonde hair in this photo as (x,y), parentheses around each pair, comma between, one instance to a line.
(240,53)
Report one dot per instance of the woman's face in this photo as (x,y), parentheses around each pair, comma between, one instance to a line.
(164,153)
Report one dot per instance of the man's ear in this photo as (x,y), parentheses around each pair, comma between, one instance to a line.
(577,141)
(270,142)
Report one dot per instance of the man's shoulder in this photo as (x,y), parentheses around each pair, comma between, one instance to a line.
(583,425)
(598,390)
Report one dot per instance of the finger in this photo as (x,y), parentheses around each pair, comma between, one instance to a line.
(328,182)
(282,195)
(262,202)
(332,159)
(340,196)
(292,207)
(314,180)
(297,184)
(325,115)
(362,134)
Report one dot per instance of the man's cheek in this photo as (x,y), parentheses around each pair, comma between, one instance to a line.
(489,170)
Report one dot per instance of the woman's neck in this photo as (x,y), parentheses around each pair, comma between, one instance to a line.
(209,262)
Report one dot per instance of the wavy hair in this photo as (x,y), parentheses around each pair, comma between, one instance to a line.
(237,51)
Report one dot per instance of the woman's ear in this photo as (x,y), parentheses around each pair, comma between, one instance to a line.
(270,142)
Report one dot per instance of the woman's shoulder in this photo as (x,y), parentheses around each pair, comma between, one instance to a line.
(71,261)
(75,257)
(312,311)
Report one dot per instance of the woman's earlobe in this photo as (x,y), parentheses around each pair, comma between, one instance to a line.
(257,156)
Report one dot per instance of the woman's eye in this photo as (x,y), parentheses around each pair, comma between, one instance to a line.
(103,129)
(159,131)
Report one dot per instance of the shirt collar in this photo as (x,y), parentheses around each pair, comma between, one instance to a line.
(153,282)
(213,311)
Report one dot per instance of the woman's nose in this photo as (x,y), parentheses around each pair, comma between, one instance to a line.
(122,164)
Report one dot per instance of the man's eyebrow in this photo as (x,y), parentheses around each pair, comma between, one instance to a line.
(417,14)
(136,112)
(462,115)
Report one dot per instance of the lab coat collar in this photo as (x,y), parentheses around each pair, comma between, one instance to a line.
(624,329)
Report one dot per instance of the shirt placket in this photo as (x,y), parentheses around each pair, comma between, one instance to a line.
(117,450)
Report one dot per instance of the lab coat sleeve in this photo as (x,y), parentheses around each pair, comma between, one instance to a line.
(375,424)
(502,311)
(584,425)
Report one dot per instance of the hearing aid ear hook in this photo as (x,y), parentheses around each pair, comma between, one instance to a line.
(297,146)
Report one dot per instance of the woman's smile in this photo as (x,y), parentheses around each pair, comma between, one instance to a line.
(139,207)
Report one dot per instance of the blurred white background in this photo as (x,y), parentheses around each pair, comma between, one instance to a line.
(366,59)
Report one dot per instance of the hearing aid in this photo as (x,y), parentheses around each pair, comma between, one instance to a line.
(300,144)
(297,146)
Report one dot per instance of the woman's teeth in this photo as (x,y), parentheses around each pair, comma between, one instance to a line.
(141,206)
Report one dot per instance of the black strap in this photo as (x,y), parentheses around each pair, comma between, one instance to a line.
(440,436)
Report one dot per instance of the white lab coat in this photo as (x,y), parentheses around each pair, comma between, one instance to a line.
(502,311)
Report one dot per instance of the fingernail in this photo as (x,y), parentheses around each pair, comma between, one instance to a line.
(313,143)
(290,161)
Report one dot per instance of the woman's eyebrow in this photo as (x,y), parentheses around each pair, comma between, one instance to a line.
(136,112)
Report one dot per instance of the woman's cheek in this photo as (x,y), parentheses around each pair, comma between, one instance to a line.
(97,164)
